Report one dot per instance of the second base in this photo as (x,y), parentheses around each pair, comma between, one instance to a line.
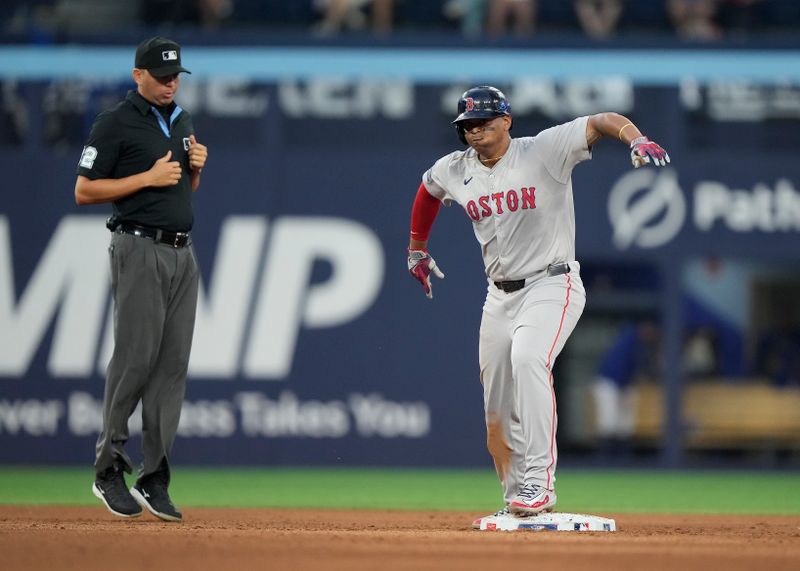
(546,522)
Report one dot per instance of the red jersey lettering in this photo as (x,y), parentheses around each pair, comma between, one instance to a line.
(503,201)
(472,210)
(485,209)
(528,197)
(498,200)
(512,200)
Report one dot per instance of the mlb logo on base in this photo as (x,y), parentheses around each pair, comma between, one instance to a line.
(169,55)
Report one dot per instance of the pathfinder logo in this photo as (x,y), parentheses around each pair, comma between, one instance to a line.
(646,208)
(740,210)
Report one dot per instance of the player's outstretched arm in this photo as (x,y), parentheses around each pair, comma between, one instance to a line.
(643,150)
(420,263)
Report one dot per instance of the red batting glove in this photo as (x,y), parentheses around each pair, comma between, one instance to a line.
(644,151)
(421,265)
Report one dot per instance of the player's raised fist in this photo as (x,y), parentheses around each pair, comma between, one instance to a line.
(645,151)
(421,265)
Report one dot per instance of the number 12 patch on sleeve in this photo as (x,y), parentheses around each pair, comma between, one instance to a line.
(88,156)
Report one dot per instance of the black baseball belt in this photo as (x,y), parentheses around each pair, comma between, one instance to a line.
(174,239)
(514,285)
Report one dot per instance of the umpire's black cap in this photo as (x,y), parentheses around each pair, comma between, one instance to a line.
(160,57)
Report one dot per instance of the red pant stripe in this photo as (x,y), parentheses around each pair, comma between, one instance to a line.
(552,389)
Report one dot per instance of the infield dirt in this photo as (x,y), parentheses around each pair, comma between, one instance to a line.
(86,538)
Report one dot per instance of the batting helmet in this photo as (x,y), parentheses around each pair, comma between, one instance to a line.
(482,102)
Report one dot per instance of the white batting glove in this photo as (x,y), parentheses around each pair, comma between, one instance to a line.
(421,265)
(645,151)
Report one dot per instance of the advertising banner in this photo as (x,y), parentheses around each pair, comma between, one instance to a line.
(312,344)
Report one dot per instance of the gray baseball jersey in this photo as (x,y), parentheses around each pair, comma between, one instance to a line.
(521,209)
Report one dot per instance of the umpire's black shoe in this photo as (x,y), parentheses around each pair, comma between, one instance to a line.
(151,493)
(110,488)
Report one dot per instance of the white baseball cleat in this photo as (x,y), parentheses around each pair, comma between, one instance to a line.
(532,499)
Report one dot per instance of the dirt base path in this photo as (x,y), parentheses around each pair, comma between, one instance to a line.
(86,538)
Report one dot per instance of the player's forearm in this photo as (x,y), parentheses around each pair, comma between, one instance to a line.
(424,212)
(102,190)
(611,125)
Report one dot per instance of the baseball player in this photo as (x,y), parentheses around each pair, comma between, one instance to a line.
(518,194)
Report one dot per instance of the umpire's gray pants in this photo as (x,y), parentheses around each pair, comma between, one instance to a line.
(154,287)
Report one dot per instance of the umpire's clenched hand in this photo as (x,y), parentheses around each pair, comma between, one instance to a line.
(165,172)
(197,154)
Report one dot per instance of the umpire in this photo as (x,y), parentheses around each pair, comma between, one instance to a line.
(142,156)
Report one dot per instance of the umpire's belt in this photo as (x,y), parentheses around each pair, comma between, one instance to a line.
(514,285)
(174,239)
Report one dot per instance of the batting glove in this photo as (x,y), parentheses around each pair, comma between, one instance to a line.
(644,151)
(421,266)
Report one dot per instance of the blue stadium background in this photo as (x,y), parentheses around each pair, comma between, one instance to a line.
(315,347)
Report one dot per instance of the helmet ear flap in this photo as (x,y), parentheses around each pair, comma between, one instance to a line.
(460,131)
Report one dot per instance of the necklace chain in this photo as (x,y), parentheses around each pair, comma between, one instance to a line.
(492,159)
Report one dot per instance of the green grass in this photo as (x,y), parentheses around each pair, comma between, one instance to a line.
(600,491)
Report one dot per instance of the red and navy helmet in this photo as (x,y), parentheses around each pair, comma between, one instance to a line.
(482,102)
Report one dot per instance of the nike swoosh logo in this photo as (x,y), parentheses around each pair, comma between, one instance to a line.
(466,181)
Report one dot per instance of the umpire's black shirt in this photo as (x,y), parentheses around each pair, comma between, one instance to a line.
(128,140)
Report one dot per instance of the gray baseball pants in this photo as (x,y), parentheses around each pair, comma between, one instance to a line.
(521,335)
(154,287)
